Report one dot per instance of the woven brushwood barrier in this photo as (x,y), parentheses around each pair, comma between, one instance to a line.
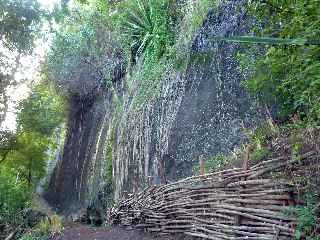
(230,204)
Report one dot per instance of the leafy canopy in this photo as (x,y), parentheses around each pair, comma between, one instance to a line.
(84,55)
(42,111)
(24,154)
(40,115)
(20,22)
(288,77)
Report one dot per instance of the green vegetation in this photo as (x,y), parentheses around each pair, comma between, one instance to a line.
(48,106)
(41,114)
(45,229)
(109,157)
(147,34)
(192,14)
(28,159)
(288,77)
(263,134)
(259,154)
(149,76)
(14,197)
(307,217)
(97,40)
(20,22)
(145,27)
(24,154)
(285,77)
(25,16)
(214,164)
(83,49)
(156,36)
(259,140)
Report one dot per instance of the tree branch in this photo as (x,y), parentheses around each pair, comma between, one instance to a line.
(4,157)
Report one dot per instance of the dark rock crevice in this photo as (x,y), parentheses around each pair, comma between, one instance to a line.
(68,188)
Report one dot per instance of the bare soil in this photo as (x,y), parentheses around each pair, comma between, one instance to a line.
(84,232)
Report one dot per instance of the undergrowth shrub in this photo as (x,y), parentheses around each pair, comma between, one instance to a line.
(14,197)
(287,77)
(307,218)
(259,154)
(213,164)
(45,229)
(259,139)
(262,134)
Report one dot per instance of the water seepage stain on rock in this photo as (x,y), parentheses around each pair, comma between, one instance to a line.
(79,174)
(201,111)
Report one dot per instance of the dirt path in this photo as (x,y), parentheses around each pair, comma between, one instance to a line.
(84,232)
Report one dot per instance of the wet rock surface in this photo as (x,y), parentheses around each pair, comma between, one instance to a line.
(202,111)
(79,174)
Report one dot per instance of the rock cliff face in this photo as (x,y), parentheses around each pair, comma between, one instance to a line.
(199,111)
(78,174)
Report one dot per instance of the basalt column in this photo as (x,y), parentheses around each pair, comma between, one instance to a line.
(71,187)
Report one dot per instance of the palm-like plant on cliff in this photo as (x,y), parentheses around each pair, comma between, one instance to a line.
(145,27)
